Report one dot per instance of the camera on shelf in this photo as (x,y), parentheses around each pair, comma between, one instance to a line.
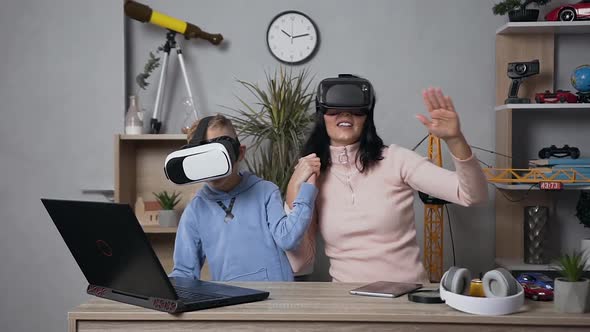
(518,71)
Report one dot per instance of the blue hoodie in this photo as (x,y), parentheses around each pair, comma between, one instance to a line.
(251,246)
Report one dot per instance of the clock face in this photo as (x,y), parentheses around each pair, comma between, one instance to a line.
(292,37)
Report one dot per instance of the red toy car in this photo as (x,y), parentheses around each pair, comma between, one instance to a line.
(570,12)
(537,286)
(536,293)
(559,96)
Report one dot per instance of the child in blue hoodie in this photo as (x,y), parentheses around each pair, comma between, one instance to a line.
(238,222)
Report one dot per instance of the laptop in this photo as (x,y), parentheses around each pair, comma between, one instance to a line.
(119,263)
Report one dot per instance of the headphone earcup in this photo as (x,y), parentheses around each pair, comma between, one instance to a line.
(499,283)
(457,280)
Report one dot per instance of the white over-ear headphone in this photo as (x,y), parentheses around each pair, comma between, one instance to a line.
(504,295)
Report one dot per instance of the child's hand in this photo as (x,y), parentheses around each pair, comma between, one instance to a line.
(307,169)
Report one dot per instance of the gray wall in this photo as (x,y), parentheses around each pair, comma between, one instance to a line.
(63,92)
(401,46)
(62,100)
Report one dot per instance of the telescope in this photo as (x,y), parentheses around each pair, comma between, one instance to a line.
(143,13)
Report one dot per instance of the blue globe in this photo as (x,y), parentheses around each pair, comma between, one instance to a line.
(581,78)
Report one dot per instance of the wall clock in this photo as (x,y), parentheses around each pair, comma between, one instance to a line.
(292,37)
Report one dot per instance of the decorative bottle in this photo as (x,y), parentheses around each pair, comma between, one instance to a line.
(133,118)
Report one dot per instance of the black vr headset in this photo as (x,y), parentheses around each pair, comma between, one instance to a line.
(202,160)
(345,92)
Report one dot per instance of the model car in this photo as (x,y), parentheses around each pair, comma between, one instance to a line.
(537,293)
(570,12)
(537,286)
(559,96)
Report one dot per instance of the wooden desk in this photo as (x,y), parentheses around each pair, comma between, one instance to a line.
(307,306)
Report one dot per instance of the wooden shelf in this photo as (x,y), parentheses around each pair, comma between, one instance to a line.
(154,137)
(139,164)
(564,106)
(545,27)
(155,229)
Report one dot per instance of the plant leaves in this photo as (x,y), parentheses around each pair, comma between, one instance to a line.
(276,123)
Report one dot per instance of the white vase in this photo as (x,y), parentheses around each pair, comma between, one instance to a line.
(571,297)
(168,218)
(133,118)
(585,250)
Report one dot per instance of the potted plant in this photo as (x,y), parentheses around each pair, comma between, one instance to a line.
(276,124)
(167,216)
(571,290)
(518,10)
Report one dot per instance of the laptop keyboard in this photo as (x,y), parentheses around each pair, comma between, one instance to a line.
(187,295)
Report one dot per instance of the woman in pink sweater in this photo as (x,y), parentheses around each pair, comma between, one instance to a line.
(364,210)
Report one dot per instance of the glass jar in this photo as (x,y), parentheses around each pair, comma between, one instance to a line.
(190,114)
(133,118)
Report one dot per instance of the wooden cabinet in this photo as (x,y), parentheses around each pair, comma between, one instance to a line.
(139,171)
(515,42)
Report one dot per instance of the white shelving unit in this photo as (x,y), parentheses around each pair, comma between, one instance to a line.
(520,265)
(564,106)
(524,41)
(526,186)
(558,28)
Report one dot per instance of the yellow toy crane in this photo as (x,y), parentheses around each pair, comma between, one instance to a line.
(433,220)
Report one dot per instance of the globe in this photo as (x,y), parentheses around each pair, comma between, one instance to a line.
(581,78)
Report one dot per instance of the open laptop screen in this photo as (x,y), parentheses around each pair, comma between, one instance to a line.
(110,247)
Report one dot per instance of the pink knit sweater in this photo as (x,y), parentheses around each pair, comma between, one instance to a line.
(367,219)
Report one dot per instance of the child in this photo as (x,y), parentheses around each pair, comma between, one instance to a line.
(238,222)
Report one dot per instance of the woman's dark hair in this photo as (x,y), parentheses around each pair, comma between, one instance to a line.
(370,149)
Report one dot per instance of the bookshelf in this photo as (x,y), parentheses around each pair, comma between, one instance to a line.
(139,171)
(524,41)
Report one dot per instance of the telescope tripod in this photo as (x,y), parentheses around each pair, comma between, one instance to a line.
(155,123)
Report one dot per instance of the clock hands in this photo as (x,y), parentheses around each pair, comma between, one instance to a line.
(303,35)
(293,37)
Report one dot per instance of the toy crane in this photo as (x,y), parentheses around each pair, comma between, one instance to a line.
(433,220)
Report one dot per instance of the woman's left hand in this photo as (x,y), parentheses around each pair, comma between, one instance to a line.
(444,121)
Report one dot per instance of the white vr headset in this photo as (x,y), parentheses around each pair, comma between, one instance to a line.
(504,295)
(202,160)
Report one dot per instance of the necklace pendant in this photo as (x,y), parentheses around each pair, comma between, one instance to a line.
(228,217)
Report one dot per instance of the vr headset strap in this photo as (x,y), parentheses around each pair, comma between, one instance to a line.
(201,131)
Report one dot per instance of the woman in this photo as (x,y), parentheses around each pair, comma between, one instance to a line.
(364,210)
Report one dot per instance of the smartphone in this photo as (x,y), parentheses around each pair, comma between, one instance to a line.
(386,289)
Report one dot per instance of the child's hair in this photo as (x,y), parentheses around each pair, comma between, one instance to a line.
(217,121)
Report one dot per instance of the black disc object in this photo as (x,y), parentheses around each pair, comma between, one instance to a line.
(426,296)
